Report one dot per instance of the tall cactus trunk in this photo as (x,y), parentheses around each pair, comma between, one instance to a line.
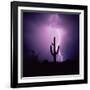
(54,58)
(53,50)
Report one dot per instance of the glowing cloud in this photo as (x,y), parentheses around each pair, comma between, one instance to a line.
(40,29)
(56,31)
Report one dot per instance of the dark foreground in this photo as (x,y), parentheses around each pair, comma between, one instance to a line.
(46,68)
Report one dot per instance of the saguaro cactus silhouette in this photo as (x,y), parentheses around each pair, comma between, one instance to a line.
(53,50)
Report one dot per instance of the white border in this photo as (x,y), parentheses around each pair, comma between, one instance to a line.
(58,77)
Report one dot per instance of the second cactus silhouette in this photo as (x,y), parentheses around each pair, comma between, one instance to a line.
(53,50)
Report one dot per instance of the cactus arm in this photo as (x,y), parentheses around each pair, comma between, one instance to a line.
(51,50)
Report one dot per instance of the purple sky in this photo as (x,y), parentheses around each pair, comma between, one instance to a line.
(40,28)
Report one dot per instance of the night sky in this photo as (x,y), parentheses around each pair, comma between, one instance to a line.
(39,29)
